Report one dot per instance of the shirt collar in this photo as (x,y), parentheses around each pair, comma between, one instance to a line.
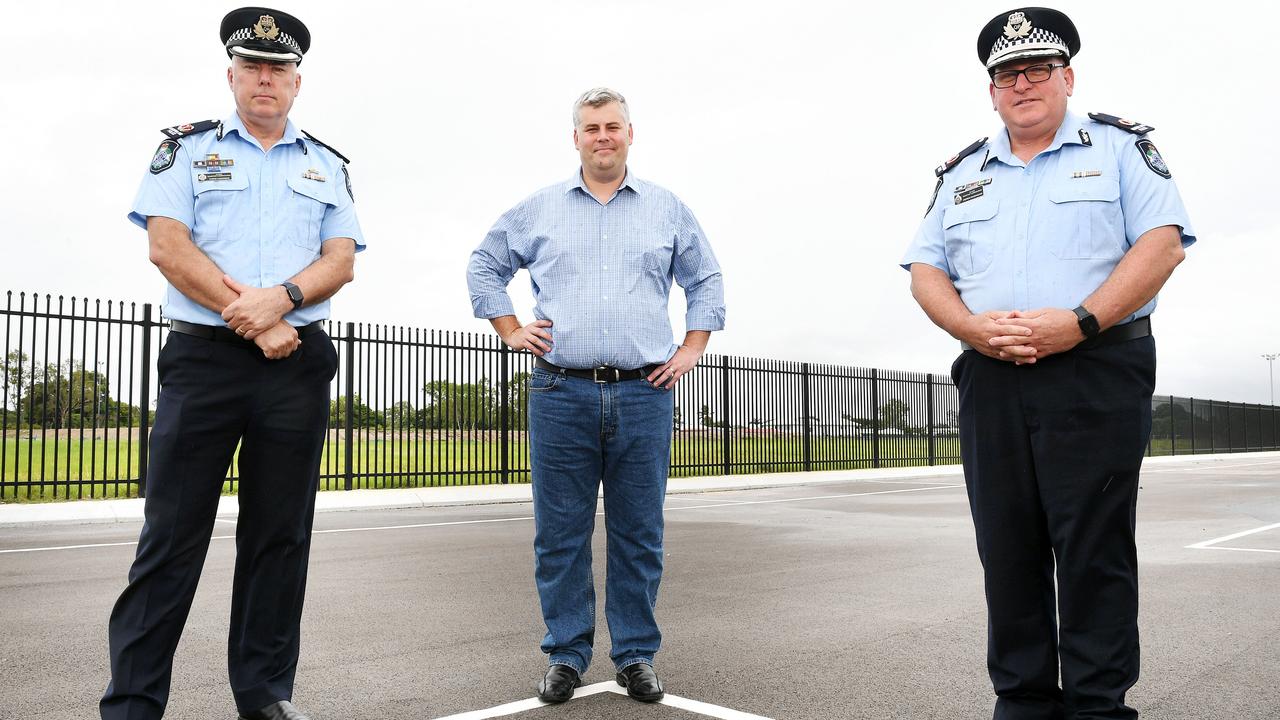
(629,180)
(233,123)
(1069,133)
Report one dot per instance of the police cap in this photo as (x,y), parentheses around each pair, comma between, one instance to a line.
(265,34)
(1027,33)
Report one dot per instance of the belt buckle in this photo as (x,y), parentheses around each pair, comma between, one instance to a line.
(595,374)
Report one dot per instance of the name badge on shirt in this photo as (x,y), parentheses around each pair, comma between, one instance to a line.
(205,177)
(969,191)
(313,174)
(1086,173)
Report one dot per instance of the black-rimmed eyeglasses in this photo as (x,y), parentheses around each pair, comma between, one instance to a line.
(1035,73)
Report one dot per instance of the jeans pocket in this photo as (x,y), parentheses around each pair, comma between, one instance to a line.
(542,381)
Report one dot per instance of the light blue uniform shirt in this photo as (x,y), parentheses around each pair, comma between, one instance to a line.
(1047,233)
(260,219)
(601,272)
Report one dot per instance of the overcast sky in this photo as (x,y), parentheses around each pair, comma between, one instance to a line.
(802,134)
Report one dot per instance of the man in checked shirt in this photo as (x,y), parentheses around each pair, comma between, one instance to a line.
(601,249)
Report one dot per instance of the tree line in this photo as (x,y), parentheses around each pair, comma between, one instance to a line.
(62,396)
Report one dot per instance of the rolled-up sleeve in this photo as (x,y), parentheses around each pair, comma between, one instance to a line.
(696,270)
(491,268)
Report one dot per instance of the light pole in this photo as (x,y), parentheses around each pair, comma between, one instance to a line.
(1271,371)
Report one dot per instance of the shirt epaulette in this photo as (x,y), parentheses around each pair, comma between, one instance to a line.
(178,131)
(1136,128)
(330,148)
(945,167)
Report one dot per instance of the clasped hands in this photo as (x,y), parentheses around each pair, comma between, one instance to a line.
(1023,336)
(258,315)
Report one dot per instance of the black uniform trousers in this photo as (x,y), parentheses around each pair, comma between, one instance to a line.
(213,396)
(1051,457)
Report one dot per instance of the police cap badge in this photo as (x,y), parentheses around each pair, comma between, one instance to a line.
(1027,33)
(265,34)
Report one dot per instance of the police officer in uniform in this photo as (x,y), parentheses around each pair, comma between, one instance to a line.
(1042,252)
(253,225)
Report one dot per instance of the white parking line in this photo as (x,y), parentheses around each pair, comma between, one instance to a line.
(675,701)
(1209,466)
(1209,544)
(411,526)
(1227,538)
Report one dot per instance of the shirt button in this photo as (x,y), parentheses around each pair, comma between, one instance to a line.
(606,267)
(606,297)
(606,332)
(606,236)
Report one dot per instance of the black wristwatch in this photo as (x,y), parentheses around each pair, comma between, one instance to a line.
(1088,323)
(295,294)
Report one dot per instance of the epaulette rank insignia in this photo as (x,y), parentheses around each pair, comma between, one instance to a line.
(1136,128)
(330,148)
(179,131)
(947,166)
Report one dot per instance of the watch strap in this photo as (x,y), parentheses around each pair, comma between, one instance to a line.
(1088,323)
(295,294)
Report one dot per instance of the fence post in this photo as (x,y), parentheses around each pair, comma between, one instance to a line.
(348,460)
(144,401)
(1231,443)
(875,414)
(929,389)
(1191,405)
(1173,429)
(724,397)
(505,404)
(804,402)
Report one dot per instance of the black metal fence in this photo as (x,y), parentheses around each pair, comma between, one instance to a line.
(414,407)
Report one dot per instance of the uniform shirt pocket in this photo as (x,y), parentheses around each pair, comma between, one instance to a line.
(969,230)
(220,209)
(309,201)
(1087,217)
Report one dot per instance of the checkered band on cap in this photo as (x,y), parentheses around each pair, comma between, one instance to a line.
(1038,43)
(283,38)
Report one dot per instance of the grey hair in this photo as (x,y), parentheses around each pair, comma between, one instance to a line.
(599,97)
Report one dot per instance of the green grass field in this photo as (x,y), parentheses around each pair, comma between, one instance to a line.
(67,468)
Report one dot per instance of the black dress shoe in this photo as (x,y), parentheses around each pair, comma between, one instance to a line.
(283,710)
(558,684)
(641,682)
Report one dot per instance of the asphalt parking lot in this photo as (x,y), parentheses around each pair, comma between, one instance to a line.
(852,599)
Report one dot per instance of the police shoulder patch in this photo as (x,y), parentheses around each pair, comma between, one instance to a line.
(180,131)
(347,177)
(1136,128)
(1151,156)
(330,148)
(164,157)
(946,167)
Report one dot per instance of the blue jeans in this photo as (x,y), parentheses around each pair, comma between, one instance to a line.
(580,433)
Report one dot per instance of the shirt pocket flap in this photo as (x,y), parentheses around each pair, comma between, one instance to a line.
(1102,189)
(314,189)
(971,211)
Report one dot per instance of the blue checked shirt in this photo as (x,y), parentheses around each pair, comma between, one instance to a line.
(261,219)
(601,272)
(1019,236)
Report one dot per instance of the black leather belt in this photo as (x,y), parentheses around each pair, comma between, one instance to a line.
(219,333)
(600,374)
(1139,328)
